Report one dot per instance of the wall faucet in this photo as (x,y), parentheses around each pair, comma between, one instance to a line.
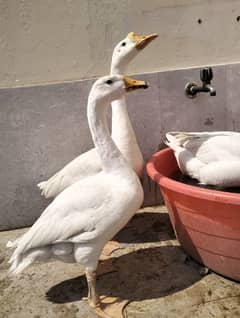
(206,75)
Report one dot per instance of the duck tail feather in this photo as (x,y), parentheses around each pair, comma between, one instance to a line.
(50,188)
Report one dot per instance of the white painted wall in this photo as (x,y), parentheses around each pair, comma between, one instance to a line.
(58,40)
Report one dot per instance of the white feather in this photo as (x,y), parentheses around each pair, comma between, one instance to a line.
(81,167)
(89,163)
(86,215)
(211,157)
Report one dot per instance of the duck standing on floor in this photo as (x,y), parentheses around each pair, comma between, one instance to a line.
(89,163)
(85,216)
(213,158)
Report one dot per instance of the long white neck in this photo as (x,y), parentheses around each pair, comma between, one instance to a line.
(122,130)
(110,155)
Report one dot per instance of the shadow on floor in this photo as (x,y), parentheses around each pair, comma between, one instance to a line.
(146,228)
(143,274)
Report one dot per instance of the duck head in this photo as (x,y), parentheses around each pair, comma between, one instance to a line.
(109,88)
(127,49)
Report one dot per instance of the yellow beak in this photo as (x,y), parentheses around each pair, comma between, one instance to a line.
(142,40)
(131,84)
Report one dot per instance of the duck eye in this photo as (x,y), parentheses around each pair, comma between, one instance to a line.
(124,43)
(109,82)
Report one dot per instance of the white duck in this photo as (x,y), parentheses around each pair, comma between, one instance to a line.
(78,223)
(89,163)
(212,158)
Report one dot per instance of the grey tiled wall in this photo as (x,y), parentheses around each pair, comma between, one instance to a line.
(44,127)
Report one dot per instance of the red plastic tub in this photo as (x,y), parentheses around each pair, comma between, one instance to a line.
(206,222)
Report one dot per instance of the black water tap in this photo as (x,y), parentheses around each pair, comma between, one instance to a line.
(206,75)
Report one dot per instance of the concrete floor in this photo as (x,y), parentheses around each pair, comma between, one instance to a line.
(149,271)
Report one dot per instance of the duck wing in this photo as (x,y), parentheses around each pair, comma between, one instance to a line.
(209,147)
(77,212)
